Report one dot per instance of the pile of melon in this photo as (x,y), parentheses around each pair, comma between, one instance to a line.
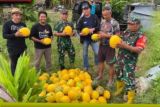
(71,86)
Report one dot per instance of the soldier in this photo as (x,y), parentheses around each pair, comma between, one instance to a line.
(109,27)
(64,42)
(15,41)
(133,42)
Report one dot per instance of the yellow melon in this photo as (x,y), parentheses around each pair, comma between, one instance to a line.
(43,78)
(88,89)
(71,83)
(59,95)
(114,40)
(68,30)
(106,94)
(66,89)
(77,79)
(72,95)
(95,37)
(65,77)
(42,94)
(80,85)
(94,101)
(65,99)
(24,31)
(50,97)
(102,100)
(46,41)
(45,86)
(51,87)
(86,97)
(95,95)
(85,31)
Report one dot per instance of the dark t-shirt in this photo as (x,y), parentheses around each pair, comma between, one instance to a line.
(39,32)
(89,22)
(15,45)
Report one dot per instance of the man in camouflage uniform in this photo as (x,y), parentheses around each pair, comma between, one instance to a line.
(133,42)
(64,42)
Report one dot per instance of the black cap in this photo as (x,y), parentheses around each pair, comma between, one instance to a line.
(85,6)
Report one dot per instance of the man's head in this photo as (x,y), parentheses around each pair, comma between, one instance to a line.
(64,14)
(42,15)
(16,14)
(134,24)
(107,13)
(86,9)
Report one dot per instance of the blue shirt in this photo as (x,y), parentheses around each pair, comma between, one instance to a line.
(93,9)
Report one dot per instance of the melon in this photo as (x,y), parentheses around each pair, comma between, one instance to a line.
(24,31)
(114,41)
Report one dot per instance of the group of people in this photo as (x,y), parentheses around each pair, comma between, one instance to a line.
(122,64)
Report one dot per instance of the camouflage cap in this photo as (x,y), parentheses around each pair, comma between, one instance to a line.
(134,20)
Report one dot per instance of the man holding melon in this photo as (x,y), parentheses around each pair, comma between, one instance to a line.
(15,32)
(88,25)
(109,27)
(41,34)
(64,31)
(132,43)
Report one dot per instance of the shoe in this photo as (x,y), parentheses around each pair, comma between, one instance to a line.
(131,95)
(119,87)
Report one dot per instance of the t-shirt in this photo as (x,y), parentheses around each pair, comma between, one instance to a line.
(39,32)
(15,44)
(110,27)
(89,22)
(93,9)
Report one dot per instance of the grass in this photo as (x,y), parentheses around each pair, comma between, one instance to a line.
(148,58)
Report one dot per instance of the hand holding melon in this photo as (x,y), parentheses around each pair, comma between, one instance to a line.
(24,31)
(114,41)
(68,31)
(85,31)
(95,37)
(46,41)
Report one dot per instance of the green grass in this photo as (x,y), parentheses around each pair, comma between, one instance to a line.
(148,58)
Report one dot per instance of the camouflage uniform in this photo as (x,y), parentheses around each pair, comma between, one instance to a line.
(64,44)
(126,60)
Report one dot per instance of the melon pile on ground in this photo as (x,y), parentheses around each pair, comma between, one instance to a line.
(71,86)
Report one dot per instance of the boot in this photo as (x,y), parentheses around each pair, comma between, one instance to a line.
(131,95)
(119,87)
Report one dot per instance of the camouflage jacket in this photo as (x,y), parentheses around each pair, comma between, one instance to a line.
(125,56)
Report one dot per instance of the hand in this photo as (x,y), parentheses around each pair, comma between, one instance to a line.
(18,34)
(54,33)
(104,35)
(91,30)
(122,44)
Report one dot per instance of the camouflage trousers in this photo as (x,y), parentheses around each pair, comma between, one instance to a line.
(64,47)
(126,72)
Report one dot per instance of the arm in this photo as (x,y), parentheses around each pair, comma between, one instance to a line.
(6,35)
(130,48)
(36,40)
(140,45)
(34,33)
